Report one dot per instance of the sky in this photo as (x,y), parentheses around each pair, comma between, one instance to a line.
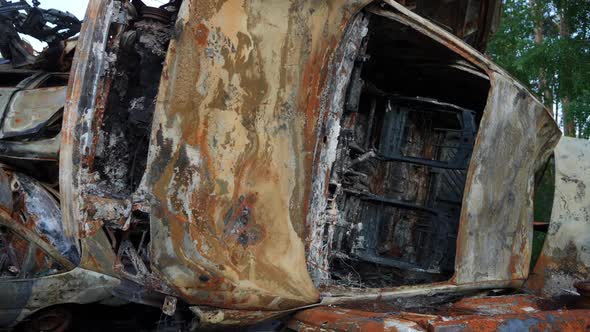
(76,7)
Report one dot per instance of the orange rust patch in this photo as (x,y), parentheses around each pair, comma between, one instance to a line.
(348,320)
(201,34)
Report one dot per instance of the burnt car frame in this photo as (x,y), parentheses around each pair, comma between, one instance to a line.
(300,153)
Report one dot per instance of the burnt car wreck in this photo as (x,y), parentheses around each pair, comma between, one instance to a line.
(336,165)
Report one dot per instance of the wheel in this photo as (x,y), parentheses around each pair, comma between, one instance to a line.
(56,319)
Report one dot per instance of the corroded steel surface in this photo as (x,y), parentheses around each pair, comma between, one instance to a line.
(79,111)
(78,140)
(234,133)
(334,319)
(565,257)
(568,320)
(500,305)
(517,135)
(28,209)
(502,313)
(209,316)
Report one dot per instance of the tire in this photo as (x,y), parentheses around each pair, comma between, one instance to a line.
(57,319)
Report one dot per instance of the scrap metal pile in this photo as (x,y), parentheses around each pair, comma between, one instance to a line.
(231,162)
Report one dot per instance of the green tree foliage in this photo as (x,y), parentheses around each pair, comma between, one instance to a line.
(555,62)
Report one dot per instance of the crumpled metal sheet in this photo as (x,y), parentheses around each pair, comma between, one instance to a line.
(235,130)
(27,206)
(565,257)
(76,286)
(516,136)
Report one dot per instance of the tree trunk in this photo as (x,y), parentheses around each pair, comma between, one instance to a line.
(569,127)
(544,91)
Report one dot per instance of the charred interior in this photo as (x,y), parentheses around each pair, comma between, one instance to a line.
(138,49)
(408,129)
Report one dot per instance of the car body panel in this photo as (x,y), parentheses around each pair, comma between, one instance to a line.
(30,210)
(26,107)
(495,237)
(30,110)
(26,110)
(228,168)
(6,94)
(21,298)
(505,313)
(34,215)
(565,257)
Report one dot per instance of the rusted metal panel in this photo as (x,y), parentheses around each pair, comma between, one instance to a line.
(565,257)
(234,134)
(28,208)
(567,320)
(486,313)
(49,273)
(348,320)
(82,118)
(85,75)
(76,286)
(496,223)
(216,317)
(499,305)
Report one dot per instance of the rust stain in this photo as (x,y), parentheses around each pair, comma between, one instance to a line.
(201,34)
(505,313)
(348,320)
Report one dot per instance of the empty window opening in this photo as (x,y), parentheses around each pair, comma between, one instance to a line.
(542,207)
(407,134)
